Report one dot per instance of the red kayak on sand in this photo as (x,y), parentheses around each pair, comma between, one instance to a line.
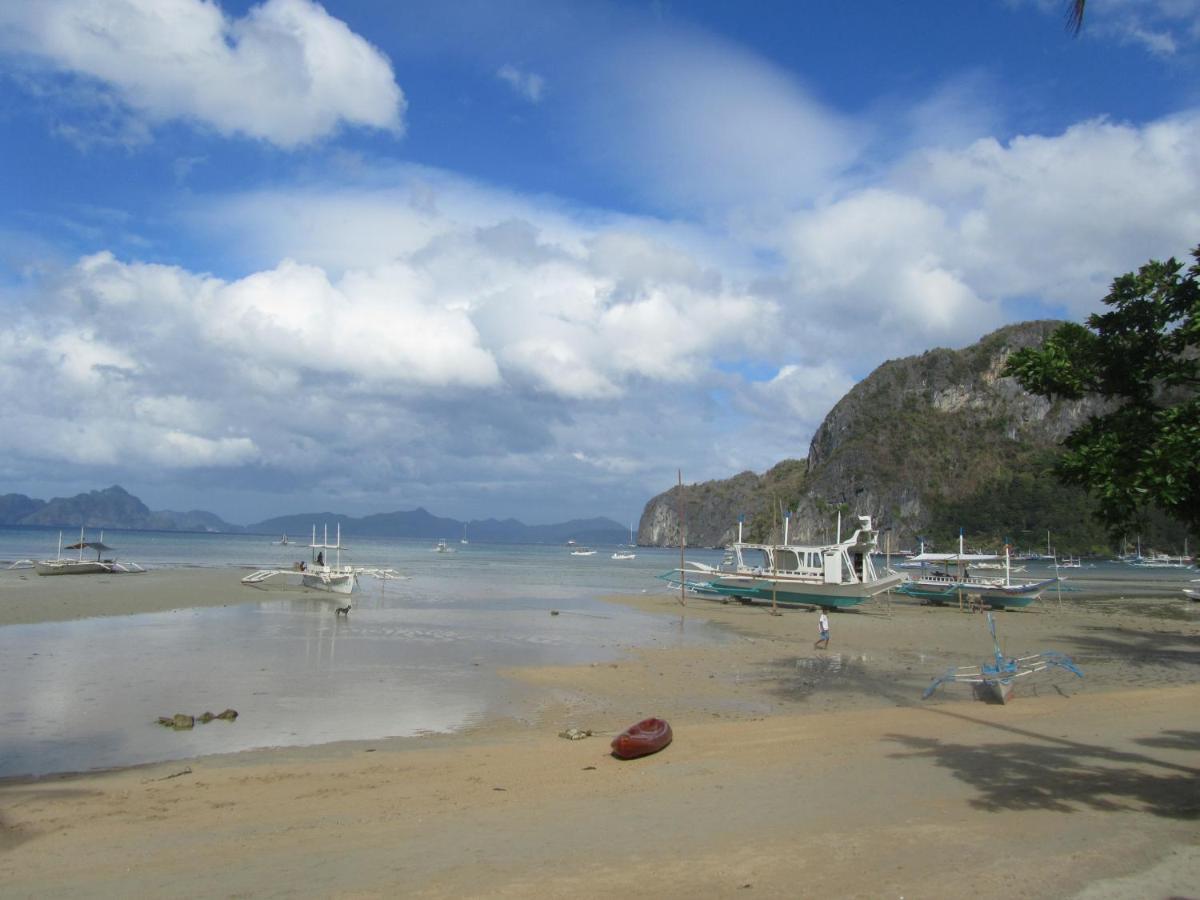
(646,737)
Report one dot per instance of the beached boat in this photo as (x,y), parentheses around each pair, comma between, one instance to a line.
(1162,561)
(994,680)
(946,578)
(642,738)
(832,576)
(318,573)
(61,565)
(1191,593)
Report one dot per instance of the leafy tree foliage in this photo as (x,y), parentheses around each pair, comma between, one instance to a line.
(1143,358)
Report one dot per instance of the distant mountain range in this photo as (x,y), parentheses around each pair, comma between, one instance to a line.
(116,508)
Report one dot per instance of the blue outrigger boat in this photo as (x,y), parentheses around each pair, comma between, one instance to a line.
(994,680)
(832,576)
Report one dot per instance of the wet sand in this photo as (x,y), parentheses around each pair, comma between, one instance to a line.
(793,772)
(26,597)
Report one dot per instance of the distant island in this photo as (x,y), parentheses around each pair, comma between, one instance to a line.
(116,508)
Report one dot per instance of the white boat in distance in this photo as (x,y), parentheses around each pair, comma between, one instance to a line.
(318,574)
(583,551)
(61,565)
(282,542)
(624,554)
(832,576)
(442,547)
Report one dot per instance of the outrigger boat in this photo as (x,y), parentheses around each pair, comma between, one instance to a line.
(832,576)
(61,565)
(994,680)
(946,578)
(318,574)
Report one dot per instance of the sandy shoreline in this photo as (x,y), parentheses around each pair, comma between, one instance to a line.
(27,598)
(794,772)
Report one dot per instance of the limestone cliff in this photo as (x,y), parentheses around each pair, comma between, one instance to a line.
(921,444)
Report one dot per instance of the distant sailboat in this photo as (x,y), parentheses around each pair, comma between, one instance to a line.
(464,537)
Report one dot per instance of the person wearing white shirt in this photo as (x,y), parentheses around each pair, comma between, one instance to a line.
(823,625)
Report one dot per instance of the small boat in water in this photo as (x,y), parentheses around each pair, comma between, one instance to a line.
(642,738)
(319,574)
(624,554)
(583,551)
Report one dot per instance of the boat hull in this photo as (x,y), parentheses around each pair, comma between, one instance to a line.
(334,584)
(70,567)
(995,690)
(796,593)
(997,597)
(641,739)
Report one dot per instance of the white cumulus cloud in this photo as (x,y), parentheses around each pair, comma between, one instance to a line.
(286,72)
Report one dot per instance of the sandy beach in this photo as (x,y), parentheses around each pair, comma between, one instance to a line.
(794,772)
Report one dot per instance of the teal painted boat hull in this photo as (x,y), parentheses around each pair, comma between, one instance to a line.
(998,600)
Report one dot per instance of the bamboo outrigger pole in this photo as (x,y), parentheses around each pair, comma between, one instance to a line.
(682,578)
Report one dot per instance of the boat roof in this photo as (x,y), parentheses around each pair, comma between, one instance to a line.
(955,557)
(84,545)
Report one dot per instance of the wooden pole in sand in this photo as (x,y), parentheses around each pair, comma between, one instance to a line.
(682,579)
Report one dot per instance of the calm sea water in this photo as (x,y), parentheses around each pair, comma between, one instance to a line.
(417,656)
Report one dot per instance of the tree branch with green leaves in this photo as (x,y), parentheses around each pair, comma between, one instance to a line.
(1142,357)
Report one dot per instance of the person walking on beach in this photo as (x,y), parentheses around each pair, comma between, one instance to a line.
(823,626)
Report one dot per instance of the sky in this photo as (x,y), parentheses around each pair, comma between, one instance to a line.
(531,258)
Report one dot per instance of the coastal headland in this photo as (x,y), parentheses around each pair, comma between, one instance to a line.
(794,771)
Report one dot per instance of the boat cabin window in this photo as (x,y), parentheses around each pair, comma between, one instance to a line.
(787,560)
(755,558)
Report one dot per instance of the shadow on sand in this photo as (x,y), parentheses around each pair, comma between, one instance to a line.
(1040,772)
(1136,647)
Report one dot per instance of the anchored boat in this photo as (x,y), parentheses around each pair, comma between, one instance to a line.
(947,578)
(318,573)
(62,565)
(833,576)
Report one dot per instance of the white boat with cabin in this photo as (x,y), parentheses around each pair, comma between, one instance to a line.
(946,578)
(832,576)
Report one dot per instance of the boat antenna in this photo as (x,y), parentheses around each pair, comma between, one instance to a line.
(682,541)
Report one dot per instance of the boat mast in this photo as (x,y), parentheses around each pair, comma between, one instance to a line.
(682,564)
(787,519)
